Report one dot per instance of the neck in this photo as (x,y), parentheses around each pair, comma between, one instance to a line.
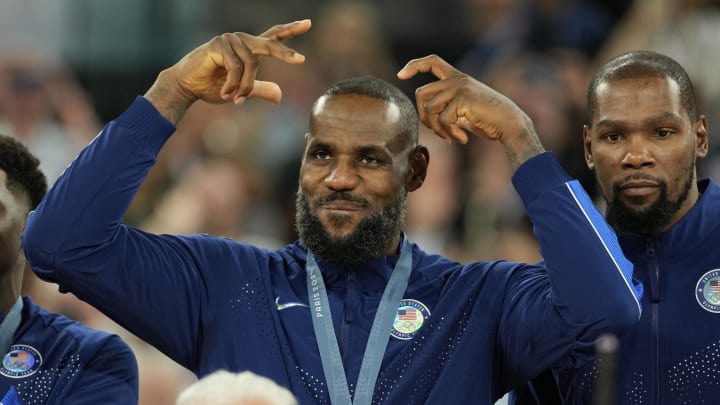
(10,285)
(393,248)
(692,198)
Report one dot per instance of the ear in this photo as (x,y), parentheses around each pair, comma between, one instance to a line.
(587,140)
(701,134)
(419,161)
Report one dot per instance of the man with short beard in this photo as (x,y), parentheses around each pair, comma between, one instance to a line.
(642,143)
(353,312)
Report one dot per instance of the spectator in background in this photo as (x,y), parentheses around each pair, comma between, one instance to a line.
(349,40)
(546,86)
(42,106)
(580,25)
(225,388)
(212,196)
(498,28)
(501,28)
(438,230)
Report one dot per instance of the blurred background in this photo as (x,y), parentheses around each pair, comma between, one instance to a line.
(69,66)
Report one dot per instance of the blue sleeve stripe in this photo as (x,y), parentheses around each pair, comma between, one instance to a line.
(606,237)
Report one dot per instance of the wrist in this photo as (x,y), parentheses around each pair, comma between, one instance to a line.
(168,98)
(520,141)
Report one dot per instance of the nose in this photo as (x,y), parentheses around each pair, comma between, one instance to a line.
(637,155)
(343,176)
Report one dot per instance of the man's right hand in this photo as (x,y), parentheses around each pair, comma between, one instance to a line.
(224,70)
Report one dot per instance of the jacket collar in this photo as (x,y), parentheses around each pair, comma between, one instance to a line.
(373,274)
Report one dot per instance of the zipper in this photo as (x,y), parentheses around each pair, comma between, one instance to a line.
(654,277)
(348,317)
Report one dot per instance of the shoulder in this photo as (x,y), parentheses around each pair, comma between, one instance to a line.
(73,335)
(478,271)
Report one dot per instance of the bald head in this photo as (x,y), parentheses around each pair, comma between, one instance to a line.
(374,87)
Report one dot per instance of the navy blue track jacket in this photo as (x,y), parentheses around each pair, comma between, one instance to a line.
(670,356)
(466,333)
(55,360)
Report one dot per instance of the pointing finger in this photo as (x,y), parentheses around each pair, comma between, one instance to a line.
(284,31)
(261,46)
(431,63)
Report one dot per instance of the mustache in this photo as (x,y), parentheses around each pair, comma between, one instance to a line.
(635,177)
(343,196)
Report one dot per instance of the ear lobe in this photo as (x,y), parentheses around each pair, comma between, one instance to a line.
(587,141)
(419,161)
(702,137)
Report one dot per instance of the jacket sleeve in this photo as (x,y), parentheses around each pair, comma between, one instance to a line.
(110,378)
(554,311)
(76,238)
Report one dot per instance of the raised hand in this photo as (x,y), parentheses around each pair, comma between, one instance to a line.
(224,70)
(458,104)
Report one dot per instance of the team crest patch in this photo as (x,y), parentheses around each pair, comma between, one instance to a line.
(20,361)
(410,317)
(707,291)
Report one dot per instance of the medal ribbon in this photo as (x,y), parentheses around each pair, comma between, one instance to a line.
(379,333)
(9,325)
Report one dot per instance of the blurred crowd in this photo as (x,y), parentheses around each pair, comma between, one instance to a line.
(233,171)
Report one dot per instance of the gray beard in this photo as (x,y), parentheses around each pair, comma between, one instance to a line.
(370,238)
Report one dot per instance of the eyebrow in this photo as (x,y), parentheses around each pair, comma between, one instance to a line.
(318,144)
(371,149)
(668,116)
(360,149)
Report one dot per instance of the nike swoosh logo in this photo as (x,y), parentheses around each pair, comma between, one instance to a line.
(287,305)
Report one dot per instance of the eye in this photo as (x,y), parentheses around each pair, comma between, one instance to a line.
(371,160)
(612,137)
(663,133)
(320,154)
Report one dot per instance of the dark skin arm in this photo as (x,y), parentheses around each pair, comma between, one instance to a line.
(457,104)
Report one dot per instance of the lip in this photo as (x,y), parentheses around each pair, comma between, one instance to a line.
(639,188)
(639,184)
(341,206)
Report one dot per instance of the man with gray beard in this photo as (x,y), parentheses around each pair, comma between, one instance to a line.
(367,240)
(353,312)
(642,143)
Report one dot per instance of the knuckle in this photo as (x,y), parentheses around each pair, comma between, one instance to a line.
(251,63)
(217,40)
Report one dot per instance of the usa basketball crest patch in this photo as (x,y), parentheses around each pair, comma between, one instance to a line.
(20,361)
(707,291)
(409,319)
